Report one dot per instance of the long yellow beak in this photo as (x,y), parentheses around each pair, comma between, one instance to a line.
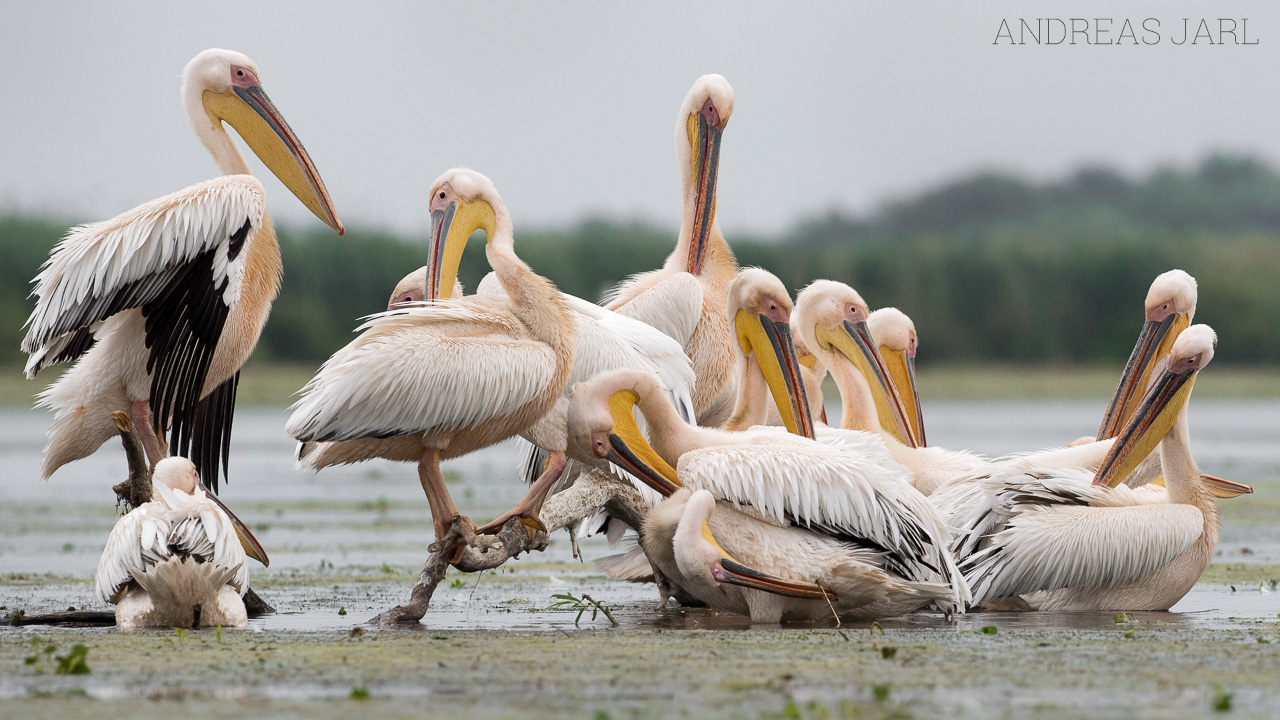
(704,140)
(853,340)
(251,546)
(1156,412)
(775,351)
(1154,342)
(630,451)
(451,227)
(901,365)
(264,129)
(1222,488)
(729,571)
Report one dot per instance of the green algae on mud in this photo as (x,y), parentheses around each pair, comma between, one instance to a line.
(652,673)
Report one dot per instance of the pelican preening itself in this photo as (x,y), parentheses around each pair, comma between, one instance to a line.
(445,378)
(175,561)
(846,488)
(1072,540)
(685,298)
(162,305)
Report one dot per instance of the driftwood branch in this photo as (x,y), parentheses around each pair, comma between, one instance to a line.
(135,491)
(68,617)
(562,511)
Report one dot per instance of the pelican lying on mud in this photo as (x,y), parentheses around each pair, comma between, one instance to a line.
(176,561)
(163,304)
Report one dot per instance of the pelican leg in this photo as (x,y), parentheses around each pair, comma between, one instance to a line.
(531,504)
(157,449)
(442,508)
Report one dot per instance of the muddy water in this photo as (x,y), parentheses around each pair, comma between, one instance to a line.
(352,538)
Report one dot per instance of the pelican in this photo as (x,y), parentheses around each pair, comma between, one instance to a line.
(175,561)
(847,488)
(1071,540)
(685,298)
(162,305)
(442,379)
(894,336)
(831,318)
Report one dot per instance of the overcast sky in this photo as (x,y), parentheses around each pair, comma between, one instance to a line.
(570,107)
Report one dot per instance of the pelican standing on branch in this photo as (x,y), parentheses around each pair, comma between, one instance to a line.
(685,298)
(444,378)
(162,305)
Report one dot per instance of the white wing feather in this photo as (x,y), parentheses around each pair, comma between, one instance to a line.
(673,305)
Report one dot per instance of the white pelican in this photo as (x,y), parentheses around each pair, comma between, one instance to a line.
(894,336)
(850,579)
(446,378)
(162,305)
(685,298)
(175,561)
(847,488)
(1069,540)
(830,317)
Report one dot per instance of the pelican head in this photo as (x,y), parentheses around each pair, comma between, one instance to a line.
(760,307)
(895,337)
(462,201)
(225,86)
(1160,406)
(412,288)
(602,422)
(1170,306)
(831,318)
(699,127)
(702,560)
(176,473)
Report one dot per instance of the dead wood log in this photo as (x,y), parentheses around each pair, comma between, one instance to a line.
(135,491)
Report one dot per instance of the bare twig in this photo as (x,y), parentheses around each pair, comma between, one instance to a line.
(68,617)
(135,491)
(484,552)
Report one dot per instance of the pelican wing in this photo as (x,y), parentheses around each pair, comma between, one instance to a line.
(206,534)
(846,486)
(1061,532)
(179,260)
(672,305)
(138,541)
(450,365)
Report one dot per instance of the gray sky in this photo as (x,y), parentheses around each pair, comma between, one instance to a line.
(570,107)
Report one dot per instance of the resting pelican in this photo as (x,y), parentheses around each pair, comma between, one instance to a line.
(685,298)
(162,305)
(446,378)
(847,488)
(894,336)
(830,317)
(1072,541)
(175,561)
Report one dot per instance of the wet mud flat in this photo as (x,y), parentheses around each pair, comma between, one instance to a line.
(348,543)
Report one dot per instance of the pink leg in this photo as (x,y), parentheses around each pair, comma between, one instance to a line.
(531,504)
(140,412)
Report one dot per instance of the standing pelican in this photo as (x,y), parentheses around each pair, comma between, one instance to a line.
(446,378)
(847,488)
(162,305)
(1068,544)
(685,298)
(175,561)
(831,318)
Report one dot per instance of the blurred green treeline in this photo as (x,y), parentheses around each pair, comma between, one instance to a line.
(990,267)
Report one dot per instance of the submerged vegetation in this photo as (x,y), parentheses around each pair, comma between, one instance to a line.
(991,267)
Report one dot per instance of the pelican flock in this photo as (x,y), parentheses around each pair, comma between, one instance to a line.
(696,388)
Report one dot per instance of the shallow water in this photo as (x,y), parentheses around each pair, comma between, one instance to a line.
(354,537)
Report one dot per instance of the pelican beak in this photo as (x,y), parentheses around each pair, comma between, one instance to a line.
(263,128)
(775,351)
(451,227)
(853,340)
(1151,421)
(731,572)
(251,546)
(629,450)
(1154,342)
(1224,489)
(901,365)
(704,140)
